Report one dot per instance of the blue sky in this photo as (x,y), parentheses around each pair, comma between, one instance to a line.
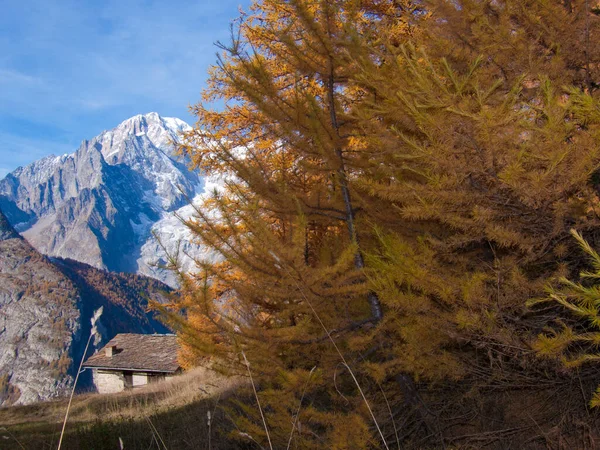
(70,69)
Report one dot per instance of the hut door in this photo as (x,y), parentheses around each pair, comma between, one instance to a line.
(128,379)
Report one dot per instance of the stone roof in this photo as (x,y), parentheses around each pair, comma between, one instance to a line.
(144,352)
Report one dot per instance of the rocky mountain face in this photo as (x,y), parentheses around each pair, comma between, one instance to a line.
(45,311)
(103,204)
(6,230)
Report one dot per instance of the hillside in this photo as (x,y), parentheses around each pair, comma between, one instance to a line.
(174,412)
(45,311)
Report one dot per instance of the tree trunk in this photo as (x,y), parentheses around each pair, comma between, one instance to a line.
(359,262)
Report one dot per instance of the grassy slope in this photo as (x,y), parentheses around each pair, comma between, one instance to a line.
(526,416)
(173,413)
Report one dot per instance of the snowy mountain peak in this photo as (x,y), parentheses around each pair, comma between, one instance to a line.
(161,132)
(153,119)
(97,205)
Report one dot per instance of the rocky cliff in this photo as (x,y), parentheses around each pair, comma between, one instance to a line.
(45,311)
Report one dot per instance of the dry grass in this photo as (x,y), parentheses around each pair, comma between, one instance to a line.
(194,385)
(191,386)
(190,394)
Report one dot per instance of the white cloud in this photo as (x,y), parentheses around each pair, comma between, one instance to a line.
(86,66)
(20,150)
(16,77)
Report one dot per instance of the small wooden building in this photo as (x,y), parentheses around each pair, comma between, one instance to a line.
(133,360)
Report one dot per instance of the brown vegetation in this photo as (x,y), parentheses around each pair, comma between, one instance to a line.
(8,392)
(125,290)
(402,179)
(174,411)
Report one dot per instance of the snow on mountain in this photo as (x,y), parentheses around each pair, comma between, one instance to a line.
(170,236)
(102,204)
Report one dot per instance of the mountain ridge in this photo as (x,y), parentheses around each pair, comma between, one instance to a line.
(102,204)
(6,229)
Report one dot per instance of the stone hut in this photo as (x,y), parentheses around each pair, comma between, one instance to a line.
(133,360)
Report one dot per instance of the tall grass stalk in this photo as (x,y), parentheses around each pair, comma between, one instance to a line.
(209,429)
(156,434)
(257,400)
(344,362)
(12,436)
(93,332)
(299,406)
(210,418)
(391,416)
(389,407)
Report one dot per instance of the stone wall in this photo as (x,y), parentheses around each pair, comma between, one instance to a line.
(108,382)
(139,379)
